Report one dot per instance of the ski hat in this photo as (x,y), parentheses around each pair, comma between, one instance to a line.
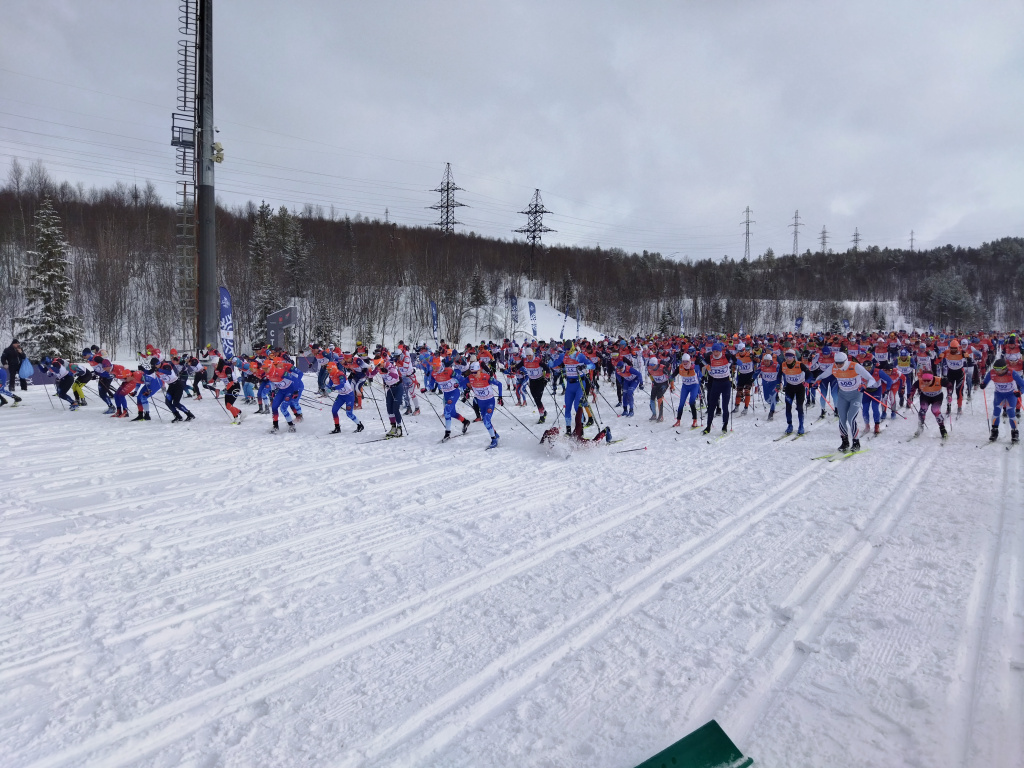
(474,367)
(717,347)
(840,357)
(790,352)
(740,346)
(766,357)
(652,362)
(999,365)
(827,350)
(685,358)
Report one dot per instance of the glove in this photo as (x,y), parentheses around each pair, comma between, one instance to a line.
(501,401)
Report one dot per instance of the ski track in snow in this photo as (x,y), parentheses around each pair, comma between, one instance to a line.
(223,596)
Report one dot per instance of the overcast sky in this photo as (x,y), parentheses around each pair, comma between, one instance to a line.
(646,125)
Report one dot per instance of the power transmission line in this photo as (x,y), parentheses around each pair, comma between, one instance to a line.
(796,232)
(746,236)
(534,225)
(446,223)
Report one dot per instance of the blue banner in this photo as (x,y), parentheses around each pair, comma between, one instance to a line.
(533,318)
(227,324)
(515,310)
(846,325)
(931,327)
(433,321)
(561,333)
(577,320)
(799,323)
(682,320)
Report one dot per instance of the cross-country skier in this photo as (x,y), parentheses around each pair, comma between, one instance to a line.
(341,384)
(689,388)
(930,386)
(794,380)
(850,378)
(718,369)
(1005,380)
(484,391)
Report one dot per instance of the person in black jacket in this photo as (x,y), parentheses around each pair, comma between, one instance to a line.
(12,358)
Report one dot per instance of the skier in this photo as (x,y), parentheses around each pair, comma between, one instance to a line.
(744,376)
(175,388)
(573,366)
(392,380)
(953,364)
(628,378)
(718,370)
(930,386)
(768,373)
(346,396)
(689,388)
(537,374)
(5,391)
(659,386)
(850,378)
(147,384)
(794,378)
(451,383)
(874,402)
(483,390)
(1005,380)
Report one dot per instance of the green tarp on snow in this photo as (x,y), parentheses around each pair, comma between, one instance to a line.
(707,747)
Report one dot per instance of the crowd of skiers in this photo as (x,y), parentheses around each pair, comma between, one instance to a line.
(869,377)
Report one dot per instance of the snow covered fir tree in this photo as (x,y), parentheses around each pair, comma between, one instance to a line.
(48,326)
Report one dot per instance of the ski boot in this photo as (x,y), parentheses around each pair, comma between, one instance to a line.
(336,430)
(706,430)
(359,426)
(465,426)
(877,428)
(568,431)
(298,417)
(676,423)
(1014,436)
(494,442)
(73,407)
(942,431)
(856,445)
(177,418)
(416,412)
(800,431)
(845,445)
(822,416)
(447,436)
(771,414)
(110,410)
(994,436)
(275,429)
(189,416)
(789,429)
(407,412)
(542,418)
(291,426)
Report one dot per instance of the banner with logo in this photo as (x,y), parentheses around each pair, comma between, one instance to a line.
(515,310)
(682,319)
(561,333)
(846,325)
(799,323)
(433,322)
(533,318)
(227,324)
(577,320)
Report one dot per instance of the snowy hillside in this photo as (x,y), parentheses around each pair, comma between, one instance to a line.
(207,594)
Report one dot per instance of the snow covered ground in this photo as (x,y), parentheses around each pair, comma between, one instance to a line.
(208,595)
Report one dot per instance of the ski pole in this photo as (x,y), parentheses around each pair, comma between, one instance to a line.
(427,399)
(374,398)
(630,450)
(509,413)
(988,421)
(865,392)
(47,391)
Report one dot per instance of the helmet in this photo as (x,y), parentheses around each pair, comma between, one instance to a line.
(841,357)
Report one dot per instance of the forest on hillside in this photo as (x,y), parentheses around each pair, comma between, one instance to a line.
(368,278)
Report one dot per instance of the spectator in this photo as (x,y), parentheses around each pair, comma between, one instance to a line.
(11,359)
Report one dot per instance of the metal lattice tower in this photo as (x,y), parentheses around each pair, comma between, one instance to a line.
(183,139)
(911,241)
(824,240)
(796,230)
(534,225)
(746,235)
(446,223)
(856,240)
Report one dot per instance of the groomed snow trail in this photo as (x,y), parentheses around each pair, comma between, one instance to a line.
(208,594)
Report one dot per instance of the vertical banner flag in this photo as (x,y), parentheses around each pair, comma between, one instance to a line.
(931,327)
(742,331)
(533,318)
(227,324)
(433,322)
(561,333)
(682,319)
(515,310)
(799,323)
(846,325)
(577,320)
